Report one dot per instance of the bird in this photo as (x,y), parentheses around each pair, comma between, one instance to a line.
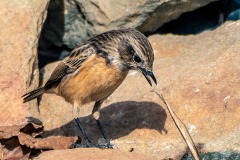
(95,69)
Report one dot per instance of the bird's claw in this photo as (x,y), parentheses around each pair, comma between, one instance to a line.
(91,145)
(109,145)
(76,145)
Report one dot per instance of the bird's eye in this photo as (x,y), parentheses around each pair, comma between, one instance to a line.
(137,59)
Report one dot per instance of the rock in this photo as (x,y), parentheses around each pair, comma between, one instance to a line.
(19,29)
(91,153)
(235,12)
(71,22)
(53,142)
(12,150)
(199,77)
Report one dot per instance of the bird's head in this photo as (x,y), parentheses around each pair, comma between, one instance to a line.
(136,53)
(127,48)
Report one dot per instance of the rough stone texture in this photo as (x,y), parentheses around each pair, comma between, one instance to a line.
(21,22)
(92,154)
(54,142)
(199,77)
(71,22)
(12,150)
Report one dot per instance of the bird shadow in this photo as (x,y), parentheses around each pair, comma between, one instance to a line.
(118,119)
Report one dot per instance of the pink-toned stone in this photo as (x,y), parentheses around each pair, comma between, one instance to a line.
(199,77)
(19,30)
(92,154)
(12,150)
(21,23)
(54,142)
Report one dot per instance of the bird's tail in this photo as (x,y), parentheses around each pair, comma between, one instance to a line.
(33,94)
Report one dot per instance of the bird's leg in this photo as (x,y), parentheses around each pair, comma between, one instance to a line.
(86,139)
(88,143)
(96,114)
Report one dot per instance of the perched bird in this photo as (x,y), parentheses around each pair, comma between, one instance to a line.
(96,68)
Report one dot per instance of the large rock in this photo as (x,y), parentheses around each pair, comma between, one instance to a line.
(21,23)
(199,77)
(71,22)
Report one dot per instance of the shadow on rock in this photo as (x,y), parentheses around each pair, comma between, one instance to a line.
(118,119)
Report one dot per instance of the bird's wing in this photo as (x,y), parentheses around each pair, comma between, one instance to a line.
(69,65)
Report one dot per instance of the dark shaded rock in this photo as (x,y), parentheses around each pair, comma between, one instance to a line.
(234,13)
(202,19)
(228,155)
(10,149)
(73,21)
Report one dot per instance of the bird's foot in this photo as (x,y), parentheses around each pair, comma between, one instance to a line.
(106,146)
(91,145)
(109,145)
(105,143)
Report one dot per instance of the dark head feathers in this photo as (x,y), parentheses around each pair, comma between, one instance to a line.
(112,40)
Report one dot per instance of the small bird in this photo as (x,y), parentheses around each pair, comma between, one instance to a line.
(95,69)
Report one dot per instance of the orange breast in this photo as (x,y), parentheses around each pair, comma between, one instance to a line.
(94,81)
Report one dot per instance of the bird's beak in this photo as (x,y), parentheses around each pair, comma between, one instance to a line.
(148,74)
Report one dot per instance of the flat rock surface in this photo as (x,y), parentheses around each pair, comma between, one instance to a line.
(199,77)
(92,154)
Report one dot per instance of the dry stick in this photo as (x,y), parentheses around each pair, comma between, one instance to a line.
(182,129)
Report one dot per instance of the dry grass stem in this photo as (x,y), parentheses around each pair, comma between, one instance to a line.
(181,127)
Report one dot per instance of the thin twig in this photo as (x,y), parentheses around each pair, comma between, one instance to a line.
(182,129)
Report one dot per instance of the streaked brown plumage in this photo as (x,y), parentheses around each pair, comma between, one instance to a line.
(95,68)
